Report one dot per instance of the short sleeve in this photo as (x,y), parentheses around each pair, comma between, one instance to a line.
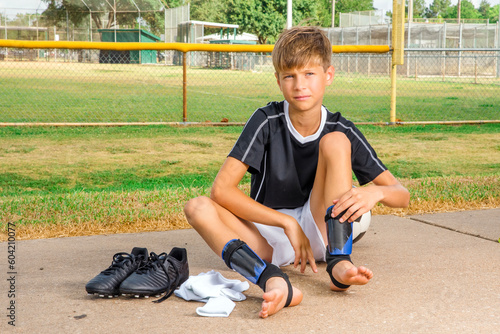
(365,163)
(250,146)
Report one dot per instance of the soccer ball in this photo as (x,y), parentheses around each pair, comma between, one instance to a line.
(360,226)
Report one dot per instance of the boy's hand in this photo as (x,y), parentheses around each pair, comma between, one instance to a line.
(356,201)
(301,246)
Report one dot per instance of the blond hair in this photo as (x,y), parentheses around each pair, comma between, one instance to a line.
(298,46)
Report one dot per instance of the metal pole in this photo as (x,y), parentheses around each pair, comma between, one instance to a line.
(184,87)
(475,69)
(36,16)
(289,14)
(139,22)
(165,30)
(5,27)
(5,23)
(410,10)
(90,25)
(460,46)
(498,45)
(67,25)
(487,32)
(393,95)
(416,67)
(55,50)
(333,13)
(90,20)
(388,34)
(443,64)
(444,35)
(409,34)
(475,31)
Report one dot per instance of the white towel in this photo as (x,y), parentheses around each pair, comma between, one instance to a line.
(213,288)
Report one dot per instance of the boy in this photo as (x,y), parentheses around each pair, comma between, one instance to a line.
(301,158)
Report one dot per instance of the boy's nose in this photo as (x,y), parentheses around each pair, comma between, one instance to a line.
(299,82)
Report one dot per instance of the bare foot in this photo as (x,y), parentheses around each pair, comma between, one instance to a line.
(276,295)
(346,273)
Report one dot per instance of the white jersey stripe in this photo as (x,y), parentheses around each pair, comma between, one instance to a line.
(256,134)
(263,176)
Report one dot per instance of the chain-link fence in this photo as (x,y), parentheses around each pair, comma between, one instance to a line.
(422,35)
(85,20)
(363,18)
(93,86)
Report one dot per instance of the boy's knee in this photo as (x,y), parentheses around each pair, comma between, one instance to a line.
(335,143)
(195,207)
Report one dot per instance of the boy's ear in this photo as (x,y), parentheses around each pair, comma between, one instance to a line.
(330,73)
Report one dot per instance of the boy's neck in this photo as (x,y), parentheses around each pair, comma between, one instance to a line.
(306,122)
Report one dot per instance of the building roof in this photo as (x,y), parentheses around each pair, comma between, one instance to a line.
(211,24)
(240,37)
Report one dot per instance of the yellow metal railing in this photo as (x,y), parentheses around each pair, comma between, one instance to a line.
(182,47)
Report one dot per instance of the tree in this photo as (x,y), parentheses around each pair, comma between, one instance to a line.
(488,12)
(208,10)
(306,12)
(267,18)
(467,11)
(484,8)
(494,13)
(107,13)
(437,8)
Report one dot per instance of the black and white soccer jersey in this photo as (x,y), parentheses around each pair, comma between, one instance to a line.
(283,163)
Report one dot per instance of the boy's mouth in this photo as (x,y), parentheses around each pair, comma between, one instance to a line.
(301,97)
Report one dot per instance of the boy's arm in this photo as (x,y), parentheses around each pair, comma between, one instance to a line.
(226,193)
(385,189)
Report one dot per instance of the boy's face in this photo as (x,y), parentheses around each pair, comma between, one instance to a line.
(304,87)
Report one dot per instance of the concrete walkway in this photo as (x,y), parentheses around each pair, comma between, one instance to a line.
(434,273)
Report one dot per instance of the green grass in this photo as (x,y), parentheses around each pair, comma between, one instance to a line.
(122,176)
(76,92)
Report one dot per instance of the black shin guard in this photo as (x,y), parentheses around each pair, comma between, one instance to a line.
(331,261)
(339,234)
(240,258)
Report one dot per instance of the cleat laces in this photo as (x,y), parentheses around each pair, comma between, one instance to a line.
(120,260)
(157,262)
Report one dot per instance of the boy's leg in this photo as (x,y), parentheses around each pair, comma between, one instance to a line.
(333,179)
(217,226)
(220,228)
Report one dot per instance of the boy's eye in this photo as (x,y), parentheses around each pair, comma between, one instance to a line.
(310,73)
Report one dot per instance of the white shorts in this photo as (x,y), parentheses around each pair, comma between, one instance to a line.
(283,253)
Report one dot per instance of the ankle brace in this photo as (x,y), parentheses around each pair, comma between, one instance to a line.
(331,261)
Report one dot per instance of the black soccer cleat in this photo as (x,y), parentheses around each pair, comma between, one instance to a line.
(107,283)
(162,274)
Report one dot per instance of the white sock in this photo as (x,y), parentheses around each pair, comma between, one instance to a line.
(213,288)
